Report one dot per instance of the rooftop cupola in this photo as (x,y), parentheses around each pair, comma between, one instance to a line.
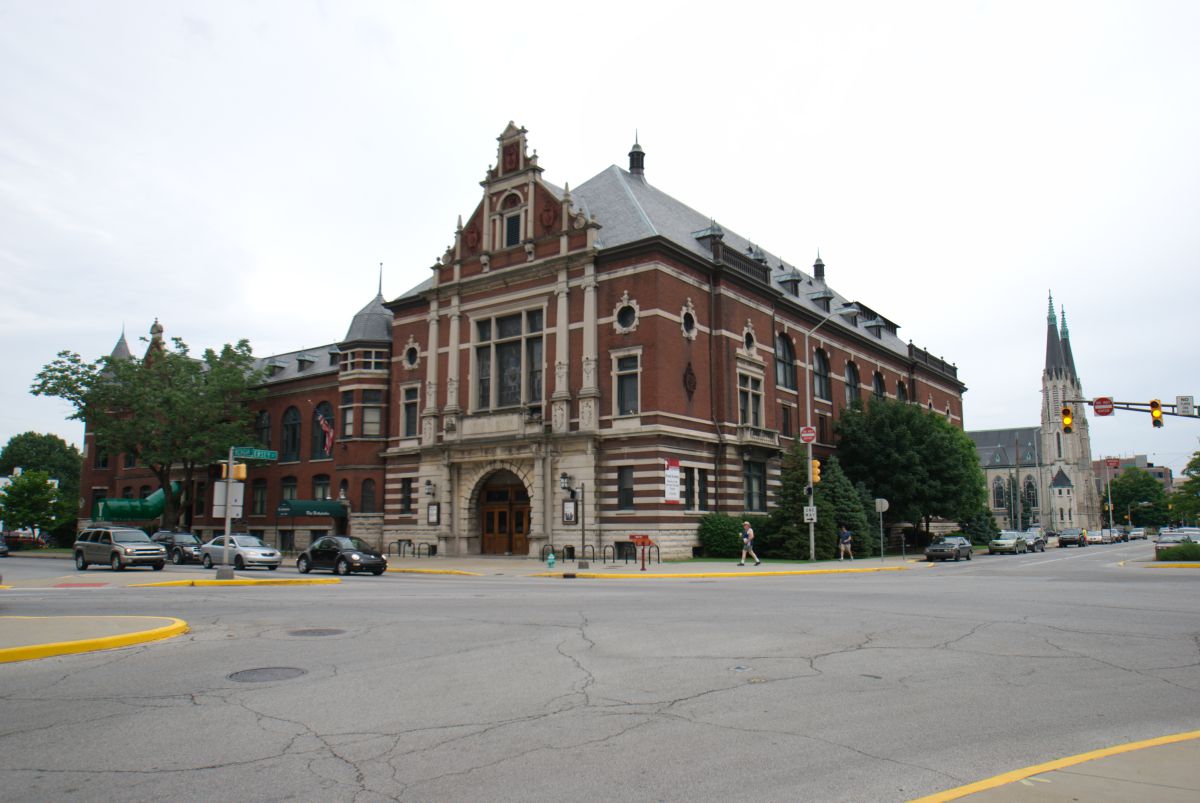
(819,269)
(637,159)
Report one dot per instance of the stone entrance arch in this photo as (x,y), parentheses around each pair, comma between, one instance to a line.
(499,509)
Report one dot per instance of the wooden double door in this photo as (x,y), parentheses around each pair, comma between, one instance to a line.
(505,524)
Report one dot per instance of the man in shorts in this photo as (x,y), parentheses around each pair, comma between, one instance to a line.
(844,548)
(748,544)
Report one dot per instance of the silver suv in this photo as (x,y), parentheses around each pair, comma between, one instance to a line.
(118,547)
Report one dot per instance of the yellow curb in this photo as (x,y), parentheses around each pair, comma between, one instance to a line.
(1050,766)
(1173,565)
(177,628)
(436,571)
(598,575)
(5,586)
(196,583)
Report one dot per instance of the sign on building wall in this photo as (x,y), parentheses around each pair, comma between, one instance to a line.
(672,481)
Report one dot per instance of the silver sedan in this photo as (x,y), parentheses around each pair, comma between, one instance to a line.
(244,552)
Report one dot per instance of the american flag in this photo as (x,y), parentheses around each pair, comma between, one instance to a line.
(327,428)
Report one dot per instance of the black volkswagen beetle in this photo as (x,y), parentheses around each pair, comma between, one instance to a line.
(341,554)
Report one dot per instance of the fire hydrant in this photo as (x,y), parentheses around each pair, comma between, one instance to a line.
(550,560)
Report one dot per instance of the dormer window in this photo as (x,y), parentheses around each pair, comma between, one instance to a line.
(275,366)
(305,360)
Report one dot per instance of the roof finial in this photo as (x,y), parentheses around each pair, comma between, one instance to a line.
(637,158)
(380,278)
(1050,318)
(1065,334)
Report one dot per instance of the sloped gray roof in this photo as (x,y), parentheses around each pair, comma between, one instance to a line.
(373,323)
(307,362)
(1061,480)
(996,448)
(121,350)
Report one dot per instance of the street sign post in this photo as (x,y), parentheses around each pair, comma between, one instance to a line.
(1102,405)
(253,453)
(1112,462)
(1185,405)
(810,514)
(808,434)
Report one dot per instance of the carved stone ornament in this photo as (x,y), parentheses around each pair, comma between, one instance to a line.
(589,372)
(450,424)
(587,414)
(410,348)
(560,416)
(471,238)
(452,391)
(689,381)
(626,314)
(549,215)
(560,375)
(484,262)
(427,430)
(749,339)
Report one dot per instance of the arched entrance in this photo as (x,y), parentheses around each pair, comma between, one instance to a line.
(504,507)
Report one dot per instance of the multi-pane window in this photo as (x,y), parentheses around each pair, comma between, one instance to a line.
(785,362)
(130,460)
(999,498)
(291,435)
(852,384)
(1031,494)
(287,488)
(321,486)
(749,400)
(409,410)
(901,392)
(347,408)
(127,493)
(406,495)
(625,488)
(372,413)
(322,431)
(367,500)
(786,414)
(512,230)
(695,488)
(627,371)
(754,479)
(822,429)
(365,360)
(880,387)
(258,498)
(262,429)
(822,386)
(101,459)
(508,360)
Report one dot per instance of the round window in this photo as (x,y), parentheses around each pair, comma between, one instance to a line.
(749,340)
(410,356)
(626,317)
(689,322)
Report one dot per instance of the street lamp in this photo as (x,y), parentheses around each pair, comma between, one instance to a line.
(808,360)
(1129,511)
(565,482)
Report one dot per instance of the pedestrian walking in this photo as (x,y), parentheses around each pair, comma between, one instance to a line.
(844,543)
(748,544)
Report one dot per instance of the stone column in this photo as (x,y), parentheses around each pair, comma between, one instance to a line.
(589,394)
(561,407)
(430,413)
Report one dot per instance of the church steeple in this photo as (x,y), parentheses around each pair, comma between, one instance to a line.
(1068,358)
(1055,362)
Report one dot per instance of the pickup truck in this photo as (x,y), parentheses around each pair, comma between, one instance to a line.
(1072,537)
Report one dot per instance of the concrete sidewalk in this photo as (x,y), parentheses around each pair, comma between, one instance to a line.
(24,638)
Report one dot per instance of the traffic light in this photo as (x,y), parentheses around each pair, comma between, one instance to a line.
(239,471)
(1068,419)
(816,471)
(1156,412)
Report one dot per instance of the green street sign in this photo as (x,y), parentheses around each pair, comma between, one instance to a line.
(251,453)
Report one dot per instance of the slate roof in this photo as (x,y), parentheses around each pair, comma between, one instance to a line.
(121,350)
(372,323)
(1061,480)
(303,363)
(996,448)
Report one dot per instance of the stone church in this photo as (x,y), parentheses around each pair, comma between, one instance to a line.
(1041,475)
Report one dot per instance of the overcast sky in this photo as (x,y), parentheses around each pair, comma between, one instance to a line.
(240,169)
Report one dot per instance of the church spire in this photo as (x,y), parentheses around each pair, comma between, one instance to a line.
(1055,363)
(1068,358)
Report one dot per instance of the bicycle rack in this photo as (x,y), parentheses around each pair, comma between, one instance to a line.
(401,546)
(429,550)
(585,552)
(604,553)
(547,549)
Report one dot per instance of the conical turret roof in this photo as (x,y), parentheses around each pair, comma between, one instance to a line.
(1055,363)
(372,323)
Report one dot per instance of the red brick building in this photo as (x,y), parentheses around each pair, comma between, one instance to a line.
(606,338)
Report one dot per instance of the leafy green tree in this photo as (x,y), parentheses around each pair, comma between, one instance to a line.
(33,451)
(32,501)
(1184,501)
(981,527)
(923,465)
(1137,494)
(174,413)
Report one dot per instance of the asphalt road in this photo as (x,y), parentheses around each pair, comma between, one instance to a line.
(865,687)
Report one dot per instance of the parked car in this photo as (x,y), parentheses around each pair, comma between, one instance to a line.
(119,547)
(1072,536)
(3,547)
(244,551)
(1008,541)
(341,554)
(1099,537)
(1137,533)
(1035,539)
(182,547)
(1167,540)
(947,547)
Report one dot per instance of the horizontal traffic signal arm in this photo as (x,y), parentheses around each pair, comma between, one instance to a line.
(1137,407)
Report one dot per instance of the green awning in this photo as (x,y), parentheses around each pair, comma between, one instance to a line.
(134,509)
(311,507)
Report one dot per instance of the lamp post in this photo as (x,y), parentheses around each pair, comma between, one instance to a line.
(808,360)
(1129,511)
(565,482)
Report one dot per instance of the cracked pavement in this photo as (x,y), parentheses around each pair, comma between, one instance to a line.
(872,687)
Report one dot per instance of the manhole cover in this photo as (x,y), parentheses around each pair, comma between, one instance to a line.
(266,674)
(739,669)
(317,631)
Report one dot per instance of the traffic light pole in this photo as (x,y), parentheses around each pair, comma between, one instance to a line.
(808,361)
(225,572)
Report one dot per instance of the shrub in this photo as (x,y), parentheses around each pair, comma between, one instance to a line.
(721,535)
(1181,552)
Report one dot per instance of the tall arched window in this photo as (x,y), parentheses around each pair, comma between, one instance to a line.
(367,501)
(321,486)
(262,429)
(901,392)
(290,446)
(822,387)
(1031,494)
(322,431)
(785,362)
(998,495)
(880,387)
(853,394)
